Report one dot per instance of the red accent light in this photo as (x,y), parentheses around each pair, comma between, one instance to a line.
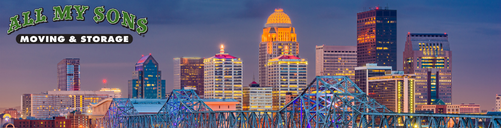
(408,32)
(377,8)
(150,54)
(445,33)
(287,57)
(104,81)
(142,55)
(226,56)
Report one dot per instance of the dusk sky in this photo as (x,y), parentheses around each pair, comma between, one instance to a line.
(196,28)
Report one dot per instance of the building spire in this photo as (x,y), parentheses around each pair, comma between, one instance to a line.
(286,50)
(221,49)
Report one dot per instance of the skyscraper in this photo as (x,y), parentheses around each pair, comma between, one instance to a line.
(287,73)
(429,57)
(189,72)
(377,37)
(277,33)
(223,77)
(498,103)
(395,91)
(260,99)
(336,61)
(146,80)
(68,74)
(363,73)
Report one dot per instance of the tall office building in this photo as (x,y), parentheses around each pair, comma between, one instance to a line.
(223,77)
(287,73)
(189,73)
(498,103)
(245,101)
(363,73)
(336,61)
(395,91)
(277,33)
(260,99)
(147,80)
(68,74)
(429,57)
(377,37)
(53,103)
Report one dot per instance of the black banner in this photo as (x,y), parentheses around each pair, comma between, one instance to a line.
(74,39)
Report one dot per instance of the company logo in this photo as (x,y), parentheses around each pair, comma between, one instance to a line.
(112,16)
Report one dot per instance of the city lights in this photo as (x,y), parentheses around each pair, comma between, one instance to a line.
(351,78)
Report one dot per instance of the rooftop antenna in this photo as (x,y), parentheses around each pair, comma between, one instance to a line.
(221,50)
(386,6)
(105,82)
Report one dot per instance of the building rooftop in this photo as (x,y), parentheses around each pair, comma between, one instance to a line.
(435,34)
(142,59)
(224,56)
(278,17)
(286,57)
(372,66)
(337,48)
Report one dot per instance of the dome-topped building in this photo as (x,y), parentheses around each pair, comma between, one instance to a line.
(278,34)
(278,19)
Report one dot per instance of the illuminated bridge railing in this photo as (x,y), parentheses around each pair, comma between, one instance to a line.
(328,102)
(413,120)
(276,119)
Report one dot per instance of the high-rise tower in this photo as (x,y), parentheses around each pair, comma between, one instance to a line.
(189,74)
(223,77)
(146,80)
(277,33)
(68,74)
(429,57)
(336,61)
(287,75)
(377,37)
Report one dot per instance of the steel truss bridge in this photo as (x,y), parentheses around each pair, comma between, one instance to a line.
(328,102)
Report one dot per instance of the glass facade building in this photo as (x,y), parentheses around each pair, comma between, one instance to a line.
(189,73)
(428,55)
(377,37)
(395,91)
(363,73)
(277,33)
(146,80)
(223,77)
(68,74)
(336,61)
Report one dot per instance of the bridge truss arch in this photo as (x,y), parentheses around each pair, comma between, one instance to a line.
(327,102)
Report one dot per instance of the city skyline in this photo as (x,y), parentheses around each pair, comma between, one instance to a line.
(95,66)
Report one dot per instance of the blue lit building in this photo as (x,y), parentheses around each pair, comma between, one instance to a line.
(146,80)
(68,74)
(377,37)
